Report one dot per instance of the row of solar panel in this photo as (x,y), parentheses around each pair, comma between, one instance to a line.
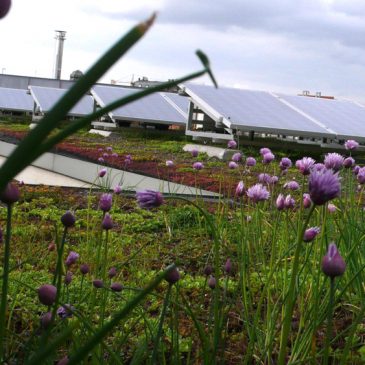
(245,110)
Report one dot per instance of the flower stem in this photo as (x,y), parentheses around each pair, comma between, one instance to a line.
(329,322)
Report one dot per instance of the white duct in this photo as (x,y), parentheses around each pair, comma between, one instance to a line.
(60,37)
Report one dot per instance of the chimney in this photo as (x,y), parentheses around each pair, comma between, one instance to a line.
(60,37)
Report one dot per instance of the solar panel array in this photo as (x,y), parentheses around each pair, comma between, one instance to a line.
(15,100)
(46,97)
(153,108)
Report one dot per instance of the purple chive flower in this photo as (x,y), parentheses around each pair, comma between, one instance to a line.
(264,150)
(351,144)
(68,277)
(305,165)
(232,165)
(10,195)
(149,199)
(85,269)
(258,193)
(101,160)
(274,179)
(194,152)
(212,282)
(107,222)
(100,150)
(46,320)
(71,258)
(232,144)
(264,178)
(310,234)
(250,162)
(289,202)
(356,169)
(198,166)
(47,294)
(115,155)
(105,202)
(105,155)
(307,201)
(318,166)
(292,185)
(348,162)
(68,219)
(65,311)
(333,161)
(117,287)
(112,272)
(102,172)
(331,208)
(4,7)
(332,263)
(268,157)
(280,202)
(240,189)
(323,186)
(237,157)
(361,175)
(285,163)
(228,266)
(98,283)
(173,276)
(109,149)
(208,270)
(169,163)
(118,190)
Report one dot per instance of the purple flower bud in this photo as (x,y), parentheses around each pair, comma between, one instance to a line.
(351,144)
(268,157)
(71,258)
(105,202)
(198,165)
(102,172)
(348,162)
(46,320)
(10,195)
(118,190)
(105,155)
(169,163)
(68,219)
(63,361)
(331,208)
(285,163)
(264,150)
(149,199)
(68,277)
(112,272)
(310,234)
(109,149)
(264,178)
(212,282)
(292,185)
(333,161)
(318,167)
(258,193)
(289,202)
(280,202)
(307,201)
(47,294)
(332,263)
(173,276)
(232,165)
(65,311)
(361,175)
(237,157)
(98,283)
(240,189)
(228,266)
(100,150)
(305,165)
(356,169)
(274,179)
(85,269)
(101,160)
(194,152)
(250,162)
(107,222)
(232,144)
(4,7)
(115,155)
(208,270)
(323,186)
(118,287)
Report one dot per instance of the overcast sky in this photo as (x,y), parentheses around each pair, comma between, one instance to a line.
(274,45)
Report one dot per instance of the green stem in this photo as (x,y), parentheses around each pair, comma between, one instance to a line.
(4,292)
(329,322)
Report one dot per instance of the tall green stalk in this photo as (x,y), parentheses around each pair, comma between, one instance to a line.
(329,321)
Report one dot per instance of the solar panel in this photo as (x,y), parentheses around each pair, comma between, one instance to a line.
(254,110)
(15,100)
(46,97)
(153,108)
(346,118)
